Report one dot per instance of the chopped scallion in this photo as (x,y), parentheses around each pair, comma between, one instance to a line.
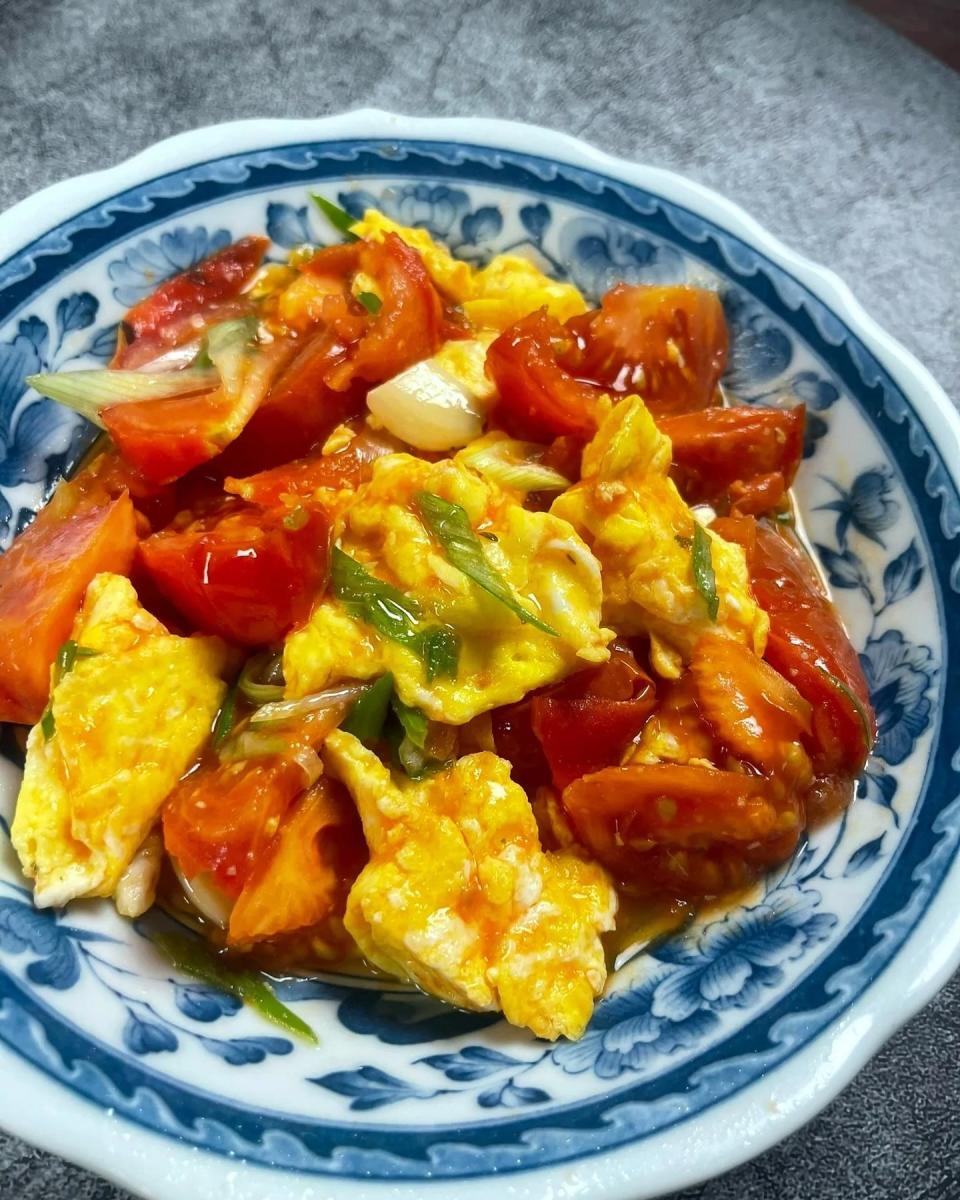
(450,525)
(366,719)
(338,217)
(225,718)
(392,614)
(370,302)
(195,960)
(704,578)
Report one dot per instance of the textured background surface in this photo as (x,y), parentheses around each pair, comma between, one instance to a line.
(832,131)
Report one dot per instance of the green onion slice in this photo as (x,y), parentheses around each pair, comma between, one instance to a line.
(450,525)
(48,723)
(195,960)
(704,579)
(291,710)
(368,715)
(514,464)
(338,217)
(249,744)
(88,392)
(67,657)
(261,679)
(370,302)
(392,614)
(413,720)
(225,718)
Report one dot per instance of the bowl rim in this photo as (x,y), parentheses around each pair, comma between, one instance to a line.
(843,1048)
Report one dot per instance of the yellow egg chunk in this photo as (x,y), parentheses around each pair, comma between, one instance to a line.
(510,287)
(633,518)
(466,361)
(460,899)
(546,564)
(453,277)
(129,719)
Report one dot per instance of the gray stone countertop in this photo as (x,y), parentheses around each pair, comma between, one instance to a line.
(832,131)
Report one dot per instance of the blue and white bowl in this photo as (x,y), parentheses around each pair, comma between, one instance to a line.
(705,1051)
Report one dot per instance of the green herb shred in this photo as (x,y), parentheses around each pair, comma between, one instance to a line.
(413,720)
(338,217)
(450,525)
(225,717)
(193,959)
(48,723)
(67,657)
(369,713)
(370,302)
(392,614)
(704,579)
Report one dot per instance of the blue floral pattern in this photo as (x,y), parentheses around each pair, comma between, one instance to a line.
(152,260)
(690,996)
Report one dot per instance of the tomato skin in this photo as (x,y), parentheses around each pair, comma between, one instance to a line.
(669,344)
(809,646)
(172,313)
(302,878)
(240,572)
(537,398)
(687,830)
(717,448)
(587,722)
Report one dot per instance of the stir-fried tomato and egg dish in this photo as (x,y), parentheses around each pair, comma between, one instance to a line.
(422,614)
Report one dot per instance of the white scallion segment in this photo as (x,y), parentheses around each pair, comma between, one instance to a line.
(205,896)
(229,347)
(88,392)
(427,408)
(513,464)
(251,745)
(308,760)
(290,710)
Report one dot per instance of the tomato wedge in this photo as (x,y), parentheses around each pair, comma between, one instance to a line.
(182,306)
(669,344)
(221,818)
(300,410)
(751,708)
(302,878)
(43,577)
(537,398)
(410,324)
(589,720)
(721,447)
(242,572)
(345,468)
(808,645)
(689,830)
(164,439)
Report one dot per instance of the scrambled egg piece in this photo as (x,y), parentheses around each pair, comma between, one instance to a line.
(466,362)
(508,288)
(546,564)
(459,898)
(632,516)
(128,721)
